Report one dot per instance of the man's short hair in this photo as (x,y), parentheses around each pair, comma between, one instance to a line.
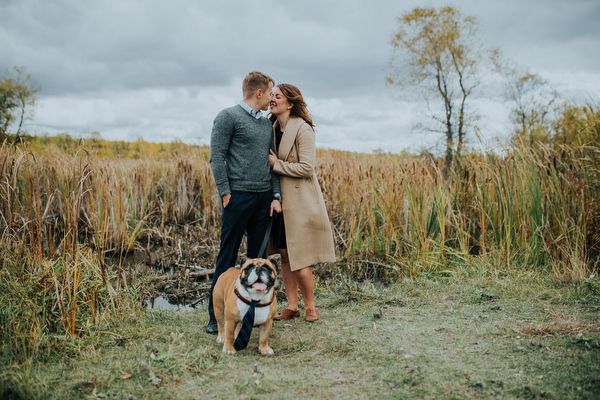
(255,80)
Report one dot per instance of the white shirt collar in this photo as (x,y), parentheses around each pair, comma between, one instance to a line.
(250,111)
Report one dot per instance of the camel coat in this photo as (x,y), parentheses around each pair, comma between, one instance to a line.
(309,237)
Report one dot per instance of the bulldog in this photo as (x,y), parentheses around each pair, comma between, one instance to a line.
(233,292)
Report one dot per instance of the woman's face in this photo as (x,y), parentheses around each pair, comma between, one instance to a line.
(279,103)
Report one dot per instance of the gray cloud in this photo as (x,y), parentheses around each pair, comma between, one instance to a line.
(162,70)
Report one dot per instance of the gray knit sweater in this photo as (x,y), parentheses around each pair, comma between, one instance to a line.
(239,152)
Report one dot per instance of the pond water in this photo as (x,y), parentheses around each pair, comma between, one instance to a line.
(161,303)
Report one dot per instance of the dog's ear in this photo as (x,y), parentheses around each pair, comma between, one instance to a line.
(273,261)
(243,262)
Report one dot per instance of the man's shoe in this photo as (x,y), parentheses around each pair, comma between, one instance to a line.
(212,327)
(287,314)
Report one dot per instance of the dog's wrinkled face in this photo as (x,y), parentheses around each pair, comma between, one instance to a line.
(258,274)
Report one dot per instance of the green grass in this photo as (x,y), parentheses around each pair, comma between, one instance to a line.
(452,338)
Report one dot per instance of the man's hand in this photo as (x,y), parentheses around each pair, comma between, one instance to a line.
(226,199)
(275,206)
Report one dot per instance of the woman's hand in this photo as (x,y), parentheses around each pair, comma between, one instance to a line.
(275,206)
(272,158)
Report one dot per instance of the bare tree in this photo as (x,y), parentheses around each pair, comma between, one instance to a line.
(533,101)
(443,54)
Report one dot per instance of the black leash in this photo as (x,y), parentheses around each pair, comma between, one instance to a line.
(263,247)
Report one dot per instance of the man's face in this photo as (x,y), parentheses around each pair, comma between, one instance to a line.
(265,97)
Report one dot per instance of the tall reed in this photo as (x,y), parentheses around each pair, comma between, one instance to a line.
(80,196)
(38,301)
(523,209)
(55,205)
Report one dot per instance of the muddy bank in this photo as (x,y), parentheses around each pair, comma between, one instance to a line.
(179,246)
(183,288)
(182,259)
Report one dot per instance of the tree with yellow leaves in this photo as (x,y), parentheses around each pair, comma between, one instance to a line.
(444,56)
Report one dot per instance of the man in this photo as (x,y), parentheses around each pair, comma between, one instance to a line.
(239,158)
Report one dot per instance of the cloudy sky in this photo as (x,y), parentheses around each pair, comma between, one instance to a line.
(161,70)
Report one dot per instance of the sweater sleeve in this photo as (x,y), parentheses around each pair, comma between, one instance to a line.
(220,139)
(307,156)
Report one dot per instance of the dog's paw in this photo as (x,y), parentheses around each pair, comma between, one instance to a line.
(220,339)
(266,351)
(231,352)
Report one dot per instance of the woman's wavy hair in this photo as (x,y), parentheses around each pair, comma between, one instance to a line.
(294,97)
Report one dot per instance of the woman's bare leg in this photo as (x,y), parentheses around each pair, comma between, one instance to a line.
(304,279)
(289,281)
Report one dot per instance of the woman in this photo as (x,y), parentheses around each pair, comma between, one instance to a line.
(308,237)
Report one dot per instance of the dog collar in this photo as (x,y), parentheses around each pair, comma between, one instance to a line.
(245,300)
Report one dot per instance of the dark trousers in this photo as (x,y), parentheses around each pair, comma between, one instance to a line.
(246,212)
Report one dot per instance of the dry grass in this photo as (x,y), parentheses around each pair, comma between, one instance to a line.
(393,216)
(527,209)
(556,328)
(42,305)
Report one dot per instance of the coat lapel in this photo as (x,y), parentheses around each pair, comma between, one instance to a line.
(289,137)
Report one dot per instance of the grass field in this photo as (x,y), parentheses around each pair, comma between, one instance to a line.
(450,338)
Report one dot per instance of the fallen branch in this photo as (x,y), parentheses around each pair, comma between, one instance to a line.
(202,273)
